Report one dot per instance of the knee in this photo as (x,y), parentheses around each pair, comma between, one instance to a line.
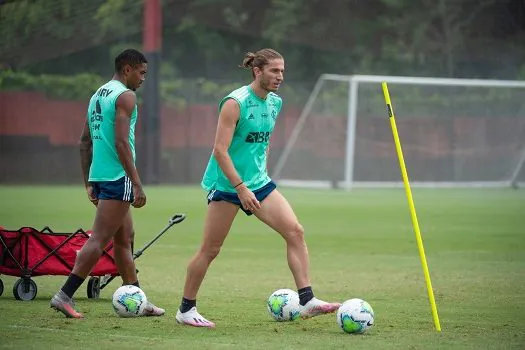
(210,252)
(95,243)
(123,241)
(295,233)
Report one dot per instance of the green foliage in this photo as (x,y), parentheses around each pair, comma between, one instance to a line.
(285,17)
(438,41)
(34,30)
(77,87)
(415,101)
(174,92)
(431,38)
(521,74)
(421,101)
(110,25)
(204,41)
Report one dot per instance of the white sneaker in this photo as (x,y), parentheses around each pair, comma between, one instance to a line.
(152,310)
(193,318)
(317,307)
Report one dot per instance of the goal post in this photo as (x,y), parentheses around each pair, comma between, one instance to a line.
(456,132)
(515,178)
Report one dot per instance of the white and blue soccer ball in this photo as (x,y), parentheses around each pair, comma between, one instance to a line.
(283,305)
(355,316)
(129,301)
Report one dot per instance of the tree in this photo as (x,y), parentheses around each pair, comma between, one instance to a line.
(39,29)
(207,38)
(431,33)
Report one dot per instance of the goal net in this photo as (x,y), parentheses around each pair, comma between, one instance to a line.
(453,132)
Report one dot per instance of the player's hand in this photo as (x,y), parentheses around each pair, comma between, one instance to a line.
(93,199)
(139,197)
(248,199)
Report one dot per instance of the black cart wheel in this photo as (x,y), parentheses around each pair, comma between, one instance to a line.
(93,288)
(1,287)
(25,289)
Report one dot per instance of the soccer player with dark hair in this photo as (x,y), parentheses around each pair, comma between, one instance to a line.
(107,154)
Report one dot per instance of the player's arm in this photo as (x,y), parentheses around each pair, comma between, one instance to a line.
(228,118)
(125,105)
(86,152)
(86,157)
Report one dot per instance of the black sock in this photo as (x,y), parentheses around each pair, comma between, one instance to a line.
(136,284)
(187,304)
(72,284)
(305,295)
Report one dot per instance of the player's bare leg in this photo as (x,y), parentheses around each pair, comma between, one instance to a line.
(277,213)
(108,218)
(122,251)
(219,219)
(122,243)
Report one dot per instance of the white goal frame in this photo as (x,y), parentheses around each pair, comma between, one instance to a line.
(353,86)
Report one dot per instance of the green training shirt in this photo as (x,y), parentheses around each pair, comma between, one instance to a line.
(102,110)
(249,143)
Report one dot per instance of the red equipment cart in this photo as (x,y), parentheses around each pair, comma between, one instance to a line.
(28,252)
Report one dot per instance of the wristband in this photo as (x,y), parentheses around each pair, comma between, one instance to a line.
(240,183)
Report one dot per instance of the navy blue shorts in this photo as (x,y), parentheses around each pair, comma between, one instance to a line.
(231,197)
(120,189)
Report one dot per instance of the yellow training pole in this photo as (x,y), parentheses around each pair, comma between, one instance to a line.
(411,206)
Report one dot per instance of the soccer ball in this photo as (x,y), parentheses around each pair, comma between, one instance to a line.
(355,316)
(129,301)
(283,305)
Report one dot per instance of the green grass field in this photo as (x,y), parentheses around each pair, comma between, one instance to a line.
(361,244)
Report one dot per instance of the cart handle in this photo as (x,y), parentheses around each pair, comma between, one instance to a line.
(175,219)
